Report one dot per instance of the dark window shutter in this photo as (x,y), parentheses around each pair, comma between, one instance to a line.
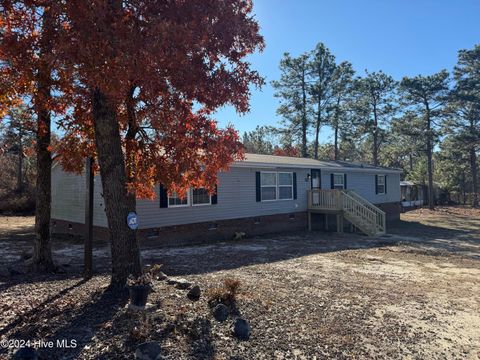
(332,184)
(294,185)
(214,196)
(344,181)
(257,186)
(385,184)
(163,197)
(376,184)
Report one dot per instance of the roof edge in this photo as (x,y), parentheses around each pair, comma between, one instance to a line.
(302,166)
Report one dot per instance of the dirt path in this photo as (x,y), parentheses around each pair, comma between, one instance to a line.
(412,295)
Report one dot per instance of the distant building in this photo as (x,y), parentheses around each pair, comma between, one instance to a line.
(412,194)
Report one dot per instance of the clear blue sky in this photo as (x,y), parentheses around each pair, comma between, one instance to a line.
(400,37)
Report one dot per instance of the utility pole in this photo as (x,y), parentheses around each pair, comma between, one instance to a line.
(88,256)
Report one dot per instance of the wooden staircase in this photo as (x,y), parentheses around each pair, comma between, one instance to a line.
(349,205)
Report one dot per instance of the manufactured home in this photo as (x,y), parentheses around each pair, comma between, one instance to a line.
(412,194)
(258,195)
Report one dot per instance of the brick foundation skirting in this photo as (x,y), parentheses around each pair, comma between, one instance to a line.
(220,230)
(392,209)
(198,233)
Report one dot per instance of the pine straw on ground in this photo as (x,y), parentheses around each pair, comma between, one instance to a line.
(305,295)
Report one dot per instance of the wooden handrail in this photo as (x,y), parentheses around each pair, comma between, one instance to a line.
(363,200)
(360,211)
(381,220)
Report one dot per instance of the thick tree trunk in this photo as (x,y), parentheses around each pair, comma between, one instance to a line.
(473,165)
(42,252)
(125,249)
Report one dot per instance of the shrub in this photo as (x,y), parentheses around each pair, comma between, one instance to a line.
(226,294)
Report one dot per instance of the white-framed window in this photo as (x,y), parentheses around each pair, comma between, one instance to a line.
(193,197)
(201,197)
(175,201)
(339,181)
(380,184)
(276,186)
(268,186)
(285,186)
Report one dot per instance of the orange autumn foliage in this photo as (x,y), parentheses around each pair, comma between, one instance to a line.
(173,63)
(180,60)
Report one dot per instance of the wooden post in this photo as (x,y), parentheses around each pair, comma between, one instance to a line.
(341,222)
(309,221)
(89,189)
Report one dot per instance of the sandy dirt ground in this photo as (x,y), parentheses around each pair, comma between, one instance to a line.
(413,294)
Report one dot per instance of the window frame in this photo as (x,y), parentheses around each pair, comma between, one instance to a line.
(277,186)
(202,204)
(342,175)
(268,186)
(181,205)
(378,184)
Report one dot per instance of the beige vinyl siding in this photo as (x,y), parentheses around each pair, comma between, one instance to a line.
(236,194)
(236,197)
(364,184)
(68,196)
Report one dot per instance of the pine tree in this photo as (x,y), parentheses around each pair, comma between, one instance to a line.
(374,104)
(292,89)
(427,95)
(323,72)
(338,111)
(465,108)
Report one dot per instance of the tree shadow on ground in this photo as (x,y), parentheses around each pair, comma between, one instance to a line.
(83,323)
(428,232)
(201,340)
(41,307)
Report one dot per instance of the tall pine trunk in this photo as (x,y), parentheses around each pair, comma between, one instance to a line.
(124,244)
(431,204)
(336,142)
(375,136)
(336,126)
(317,134)
(473,166)
(304,115)
(42,252)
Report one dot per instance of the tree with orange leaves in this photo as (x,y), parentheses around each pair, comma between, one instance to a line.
(286,150)
(148,75)
(27,65)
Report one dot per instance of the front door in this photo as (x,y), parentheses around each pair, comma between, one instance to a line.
(316,183)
